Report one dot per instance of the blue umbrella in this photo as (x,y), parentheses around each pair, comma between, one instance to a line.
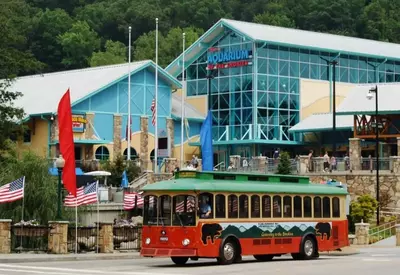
(124,181)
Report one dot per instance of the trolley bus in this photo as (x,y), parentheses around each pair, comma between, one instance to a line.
(229,215)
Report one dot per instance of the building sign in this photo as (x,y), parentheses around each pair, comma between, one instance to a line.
(78,123)
(221,59)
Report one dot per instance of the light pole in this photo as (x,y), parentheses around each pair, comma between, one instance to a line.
(370,96)
(60,162)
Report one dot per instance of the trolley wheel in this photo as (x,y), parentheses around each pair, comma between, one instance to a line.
(228,253)
(308,249)
(179,260)
(263,258)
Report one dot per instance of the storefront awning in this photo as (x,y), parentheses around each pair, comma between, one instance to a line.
(323,122)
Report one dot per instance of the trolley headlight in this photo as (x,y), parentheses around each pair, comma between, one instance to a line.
(185,242)
(147,241)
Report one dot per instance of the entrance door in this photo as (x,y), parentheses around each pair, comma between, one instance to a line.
(78,155)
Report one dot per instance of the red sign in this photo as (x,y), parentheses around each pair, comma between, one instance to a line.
(228,65)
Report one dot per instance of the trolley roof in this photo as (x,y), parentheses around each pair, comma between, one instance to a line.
(242,183)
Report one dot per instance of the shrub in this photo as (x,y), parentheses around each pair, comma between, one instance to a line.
(363,208)
(284,166)
(117,167)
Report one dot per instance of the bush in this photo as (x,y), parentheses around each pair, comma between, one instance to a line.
(117,167)
(363,208)
(284,166)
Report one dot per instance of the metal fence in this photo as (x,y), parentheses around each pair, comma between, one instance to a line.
(29,238)
(127,237)
(87,238)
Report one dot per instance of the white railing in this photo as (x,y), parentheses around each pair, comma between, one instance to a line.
(382,232)
(139,182)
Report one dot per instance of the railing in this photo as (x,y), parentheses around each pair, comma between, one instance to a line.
(382,232)
(29,238)
(127,237)
(87,238)
(220,166)
(139,182)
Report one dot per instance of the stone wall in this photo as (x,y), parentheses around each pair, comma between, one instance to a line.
(5,236)
(361,183)
(117,134)
(58,237)
(355,153)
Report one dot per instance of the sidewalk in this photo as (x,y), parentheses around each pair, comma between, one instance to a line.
(42,257)
(345,251)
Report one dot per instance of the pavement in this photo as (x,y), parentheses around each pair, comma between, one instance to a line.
(369,261)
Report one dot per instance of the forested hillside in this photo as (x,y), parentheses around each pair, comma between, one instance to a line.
(52,35)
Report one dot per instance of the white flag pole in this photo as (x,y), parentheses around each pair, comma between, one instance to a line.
(183,98)
(98,215)
(156,107)
(129,96)
(23,206)
(76,224)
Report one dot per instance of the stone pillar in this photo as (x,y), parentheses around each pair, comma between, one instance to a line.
(117,128)
(144,143)
(362,235)
(54,130)
(170,164)
(235,159)
(58,243)
(89,131)
(355,153)
(170,133)
(200,165)
(5,236)
(397,234)
(395,164)
(106,237)
(398,146)
(259,164)
(304,164)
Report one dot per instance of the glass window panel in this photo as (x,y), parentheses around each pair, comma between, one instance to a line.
(255,206)
(262,52)
(224,101)
(353,62)
(323,72)
(344,60)
(247,82)
(223,85)
(294,54)
(277,206)
(243,206)
(262,82)
(362,63)
(273,83)
(262,66)
(202,71)
(297,207)
(247,116)
(314,71)
(335,207)
(165,207)
(272,51)
(191,72)
(304,55)
(284,85)
(202,87)
(354,75)
(317,207)
(287,207)
(294,69)
(314,57)
(272,66)
(191,88)
(371,77)
(233,206)
(307,207)
(184,210)
(363,76)
(304,70)
(206,203)
(150,210)
(344,74)
(284,53)
(237,117)
(247,99)
(214,85)
(326,201)
(284,68)
(266,207)
(220,206)
(235,71)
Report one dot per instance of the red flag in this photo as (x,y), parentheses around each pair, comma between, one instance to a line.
(66,140)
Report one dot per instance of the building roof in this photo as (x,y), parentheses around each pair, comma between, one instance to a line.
(357,103)
(287,37)
(323,122)
(190,111)
(179,185)
(41,93)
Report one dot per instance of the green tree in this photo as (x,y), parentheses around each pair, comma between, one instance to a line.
(363,208)
(78,44)
(284,165)
(40,188)
(115,53)
(117,167)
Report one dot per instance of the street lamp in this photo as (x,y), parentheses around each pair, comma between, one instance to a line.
(370,95)
(60,162)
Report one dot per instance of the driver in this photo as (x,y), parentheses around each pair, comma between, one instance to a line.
(205,208)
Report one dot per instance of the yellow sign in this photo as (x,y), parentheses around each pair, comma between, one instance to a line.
(187,174)
(78,123)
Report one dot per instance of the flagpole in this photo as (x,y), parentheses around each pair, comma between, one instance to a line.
(183,97)
(129,96)
(23,206)
(76,224)
(156,103)
(98,215)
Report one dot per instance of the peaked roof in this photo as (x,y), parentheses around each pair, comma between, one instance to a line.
(190,111)
(41,93)
(287,37)
(357,103)
(323,122)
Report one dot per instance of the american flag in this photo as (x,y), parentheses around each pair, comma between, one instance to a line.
(12,191)
(84,195)
(190,204)
(130,200)
(153,109)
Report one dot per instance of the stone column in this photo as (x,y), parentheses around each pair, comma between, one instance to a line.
(235,159)
(398,146)
(144,143)
(304,162)
(362,235)
(200,165)
(5,236)
(259,164)
(54,130)
(58,243)
(170,164)
(395,164)
(170,131)
(106,237)
(397,234)
(355,153)
(117,128)
(89,132)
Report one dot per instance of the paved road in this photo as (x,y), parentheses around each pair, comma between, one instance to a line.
(368,262)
